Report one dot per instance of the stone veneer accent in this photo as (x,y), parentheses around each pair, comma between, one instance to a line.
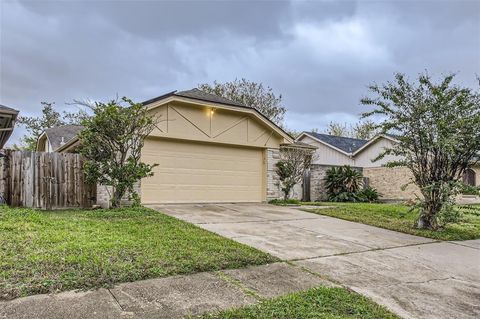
(389,182)
(317,185)
(104,193)
(273,182)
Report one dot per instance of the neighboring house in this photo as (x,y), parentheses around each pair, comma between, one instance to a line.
(209,149)
(392,183)
(8,116)
(338,150)
(53,139)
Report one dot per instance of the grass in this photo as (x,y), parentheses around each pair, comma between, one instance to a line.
(397,217)
(322,302)
(44,252)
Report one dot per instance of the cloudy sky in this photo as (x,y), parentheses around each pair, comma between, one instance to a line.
(320,55)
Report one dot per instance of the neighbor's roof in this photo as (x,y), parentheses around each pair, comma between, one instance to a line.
(60,135)
(346,144)
(7,121)
(4,108)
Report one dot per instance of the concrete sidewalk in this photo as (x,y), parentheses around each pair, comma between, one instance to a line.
(172,297)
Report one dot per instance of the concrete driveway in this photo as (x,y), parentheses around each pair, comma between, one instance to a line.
(413,276)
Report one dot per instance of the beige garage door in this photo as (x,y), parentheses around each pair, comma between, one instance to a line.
(190,172)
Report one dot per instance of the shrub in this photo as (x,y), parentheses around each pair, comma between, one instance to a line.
(368,194)
(283,202)
(343,184)
(469,190)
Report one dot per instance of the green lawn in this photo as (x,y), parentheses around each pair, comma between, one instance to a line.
(397,217)
(317,303)
(50,251)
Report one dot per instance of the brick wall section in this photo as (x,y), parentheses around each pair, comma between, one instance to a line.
(273,182)
(104,193)
(317,185)
(389,182)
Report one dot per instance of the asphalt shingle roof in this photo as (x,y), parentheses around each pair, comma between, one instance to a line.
(346,144)
(62,134)
(204,96)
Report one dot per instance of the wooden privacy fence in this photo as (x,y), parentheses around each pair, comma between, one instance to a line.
(44,180)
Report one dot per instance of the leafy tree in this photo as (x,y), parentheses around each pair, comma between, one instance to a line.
(50,118)
(111,142)
(251,94)
(36,125)
(363,129)
(343,184)
(438,131)
(292,166)
(337,129)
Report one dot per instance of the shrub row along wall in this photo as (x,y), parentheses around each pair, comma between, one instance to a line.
(389,182)
(44,180)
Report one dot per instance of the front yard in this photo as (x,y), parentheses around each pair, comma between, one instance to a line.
(43,252)
(397,217)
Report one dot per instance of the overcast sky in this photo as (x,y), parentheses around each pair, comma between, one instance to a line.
(320,55)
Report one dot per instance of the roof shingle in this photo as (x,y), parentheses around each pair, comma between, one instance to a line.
(346,144)
(60,135)
(204,96)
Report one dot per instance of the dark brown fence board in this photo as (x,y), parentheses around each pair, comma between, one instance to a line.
(44,180)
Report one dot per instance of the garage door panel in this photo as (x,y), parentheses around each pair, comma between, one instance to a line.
(198,172)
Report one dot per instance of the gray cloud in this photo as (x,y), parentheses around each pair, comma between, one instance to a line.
(319,55)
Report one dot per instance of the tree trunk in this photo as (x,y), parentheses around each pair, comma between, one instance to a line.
(428,213)
(117,197)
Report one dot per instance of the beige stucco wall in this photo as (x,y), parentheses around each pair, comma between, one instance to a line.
(389,182)
(207,123)
(366,156)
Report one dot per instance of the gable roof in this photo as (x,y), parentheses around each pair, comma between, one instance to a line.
(61,135)
(197,95)
(345,144)
(391,137)
(204,96)
(200,95)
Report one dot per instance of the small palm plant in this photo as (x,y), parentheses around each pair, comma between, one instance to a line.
(343,184)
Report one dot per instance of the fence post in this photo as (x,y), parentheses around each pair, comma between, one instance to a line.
(5,177)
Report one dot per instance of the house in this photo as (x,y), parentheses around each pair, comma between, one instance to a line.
(209,149)
(8,116)
(393,184)
(55,138)
(337,150)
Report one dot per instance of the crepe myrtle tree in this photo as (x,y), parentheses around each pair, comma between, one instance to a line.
(251,94)
(295,160)
(111,142)
(437,125)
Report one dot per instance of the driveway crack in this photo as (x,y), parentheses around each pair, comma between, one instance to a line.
(364,251)
(116,300)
